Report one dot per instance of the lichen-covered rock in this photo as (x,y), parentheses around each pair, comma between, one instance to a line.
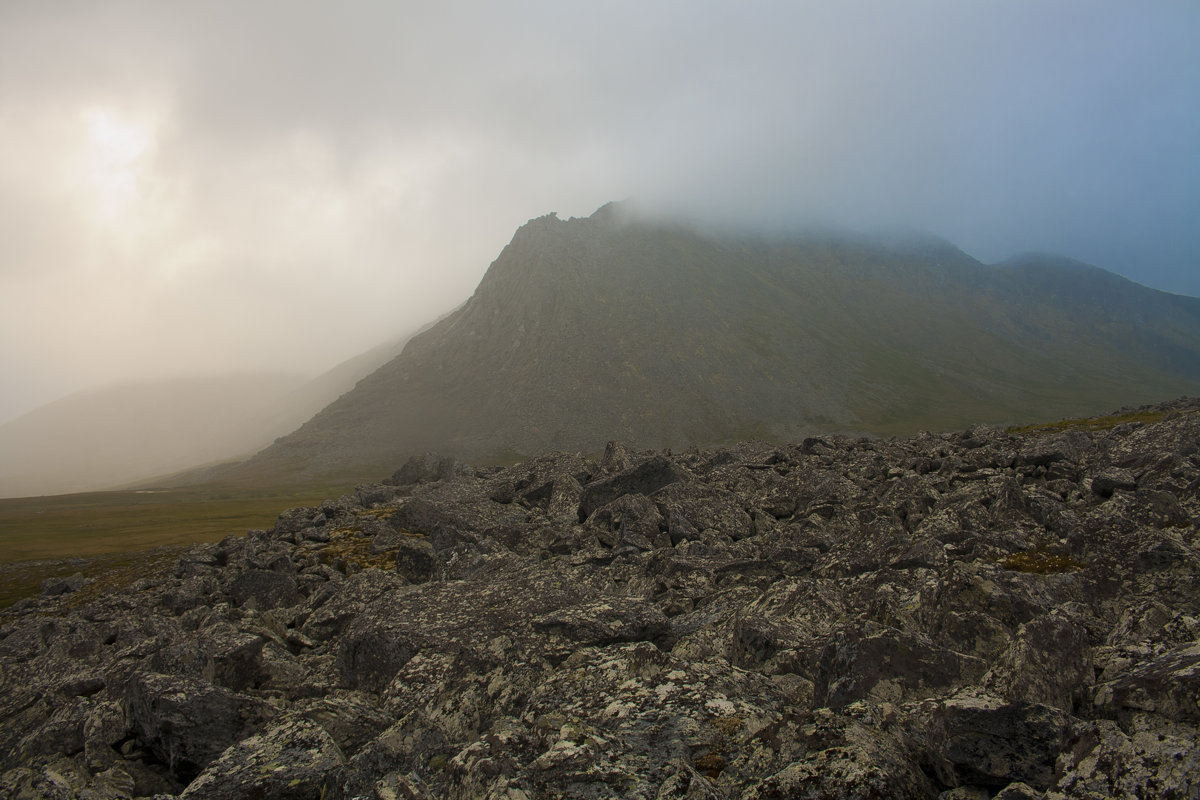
(188,723)
(291,760)
(889,666)
(1048,662)
(425,468)
(1168,685)
(56,586)
(1144,760)
(645,479)
(977,740)
(263,588)
(959,616)
(415,558)
(605,622)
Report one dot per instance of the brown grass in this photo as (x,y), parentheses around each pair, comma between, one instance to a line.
(117,537)
(1101,423)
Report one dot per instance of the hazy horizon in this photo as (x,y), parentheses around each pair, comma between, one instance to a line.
(226,188)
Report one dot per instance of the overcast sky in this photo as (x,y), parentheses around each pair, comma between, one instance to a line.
(206,187)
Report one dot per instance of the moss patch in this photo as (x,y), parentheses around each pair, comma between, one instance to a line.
(727,726)
(381,514)
(1041,560)
(349,551)
(710,765)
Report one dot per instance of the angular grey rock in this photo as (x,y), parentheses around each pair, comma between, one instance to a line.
(264,589)
(1112,479)
(1168,685)
(1147,761)
(646,478)
(415,559)
(625,619)
(297,519)
(1018,790)
(375,494)
(981,741)
(291,760)
(1048,662)
(632,519)
(188,723)
(371,652)
(425,468)
(57,586)
(890,666)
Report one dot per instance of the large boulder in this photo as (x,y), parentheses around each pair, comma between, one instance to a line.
(977,740)
(292,760)
(188,723)
(646,478)
(1168,685)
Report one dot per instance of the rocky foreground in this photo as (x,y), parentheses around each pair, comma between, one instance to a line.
(969,615)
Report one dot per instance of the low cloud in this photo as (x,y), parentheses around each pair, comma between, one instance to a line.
(222,187)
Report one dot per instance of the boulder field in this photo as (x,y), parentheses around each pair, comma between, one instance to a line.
(982,614)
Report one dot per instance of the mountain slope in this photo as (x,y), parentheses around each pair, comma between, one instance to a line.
(659,335)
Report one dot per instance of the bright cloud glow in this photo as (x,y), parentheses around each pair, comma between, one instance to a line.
(115,148)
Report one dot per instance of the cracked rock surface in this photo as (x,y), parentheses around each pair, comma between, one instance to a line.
(968,615)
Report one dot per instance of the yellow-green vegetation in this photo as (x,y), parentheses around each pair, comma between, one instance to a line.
(1041,560)
(710,764)
(1101,423)
(118,537)
(351,551)
(728,726)
(377,513)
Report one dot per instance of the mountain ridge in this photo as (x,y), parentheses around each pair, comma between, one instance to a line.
(663,335)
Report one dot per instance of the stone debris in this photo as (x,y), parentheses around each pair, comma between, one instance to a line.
(984,614)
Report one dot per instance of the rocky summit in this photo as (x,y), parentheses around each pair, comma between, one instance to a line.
(989,613)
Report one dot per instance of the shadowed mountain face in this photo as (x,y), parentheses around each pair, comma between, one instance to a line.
(659,335)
